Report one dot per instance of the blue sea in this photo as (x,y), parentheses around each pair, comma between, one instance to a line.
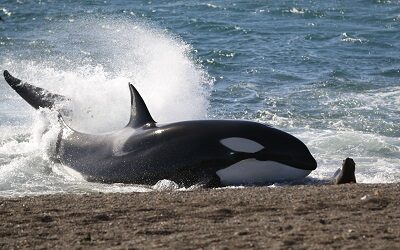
(327,72)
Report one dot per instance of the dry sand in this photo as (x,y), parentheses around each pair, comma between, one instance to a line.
(351,216)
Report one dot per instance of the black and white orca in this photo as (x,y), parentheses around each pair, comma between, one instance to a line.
(209,152)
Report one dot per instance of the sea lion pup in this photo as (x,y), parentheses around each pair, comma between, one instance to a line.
(346,175)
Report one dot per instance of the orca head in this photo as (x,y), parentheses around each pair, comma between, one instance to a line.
(291,151)
(265,155)
(286,149)
(269,144)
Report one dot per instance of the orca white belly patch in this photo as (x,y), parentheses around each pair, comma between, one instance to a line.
(254,172)
(242,144)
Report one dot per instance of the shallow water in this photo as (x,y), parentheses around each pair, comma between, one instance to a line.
(327,72)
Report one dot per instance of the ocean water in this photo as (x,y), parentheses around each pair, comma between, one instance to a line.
(327,72)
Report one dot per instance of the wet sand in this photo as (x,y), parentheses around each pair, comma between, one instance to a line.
(298,217)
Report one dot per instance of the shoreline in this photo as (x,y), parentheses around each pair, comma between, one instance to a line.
(299,217)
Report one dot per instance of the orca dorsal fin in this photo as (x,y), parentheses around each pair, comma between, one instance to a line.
(140,115)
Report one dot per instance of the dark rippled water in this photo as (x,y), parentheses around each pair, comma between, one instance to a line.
(326,71)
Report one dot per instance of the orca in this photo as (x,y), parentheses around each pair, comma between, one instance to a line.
(213,153)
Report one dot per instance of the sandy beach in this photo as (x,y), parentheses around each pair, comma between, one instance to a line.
(348,216)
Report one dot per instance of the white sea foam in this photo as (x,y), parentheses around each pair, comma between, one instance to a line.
(296,11)
(6,12)
(346,38)
(165,185)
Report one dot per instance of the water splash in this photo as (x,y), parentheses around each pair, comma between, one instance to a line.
(114,53)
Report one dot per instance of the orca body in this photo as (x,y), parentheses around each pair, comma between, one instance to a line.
(209,152)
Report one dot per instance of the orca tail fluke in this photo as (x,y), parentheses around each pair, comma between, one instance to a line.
(35,96)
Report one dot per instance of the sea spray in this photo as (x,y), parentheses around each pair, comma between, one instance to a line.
(118,52)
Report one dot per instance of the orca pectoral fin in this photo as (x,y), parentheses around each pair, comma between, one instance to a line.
(35,96)
(213,182)
(140,115)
